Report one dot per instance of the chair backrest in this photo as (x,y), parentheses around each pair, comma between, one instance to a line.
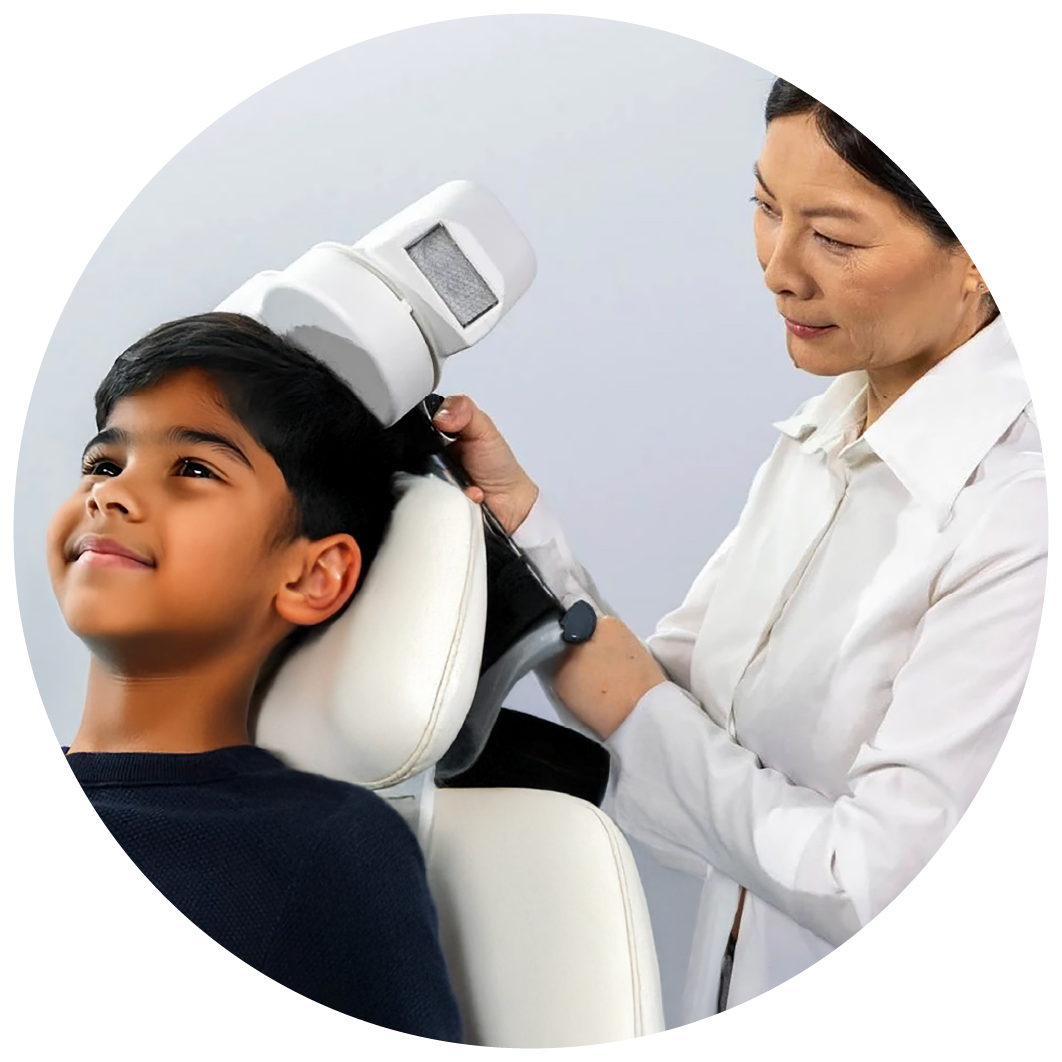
(542,916)
(543,920)
(381,695)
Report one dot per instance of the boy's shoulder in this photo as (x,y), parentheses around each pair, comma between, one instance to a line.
(354,819)
(243,789)
(356,844)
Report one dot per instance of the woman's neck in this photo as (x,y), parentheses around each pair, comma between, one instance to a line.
(195,710)
(887,384)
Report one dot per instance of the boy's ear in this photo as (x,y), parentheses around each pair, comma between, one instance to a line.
(330,570)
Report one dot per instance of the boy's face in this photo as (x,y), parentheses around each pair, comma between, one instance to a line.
(166,552)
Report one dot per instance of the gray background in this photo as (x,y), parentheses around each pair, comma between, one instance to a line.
(637,379)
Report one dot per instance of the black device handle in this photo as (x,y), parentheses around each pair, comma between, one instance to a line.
(527,626)
(510,573)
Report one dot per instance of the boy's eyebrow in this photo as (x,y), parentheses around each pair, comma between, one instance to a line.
(195,435)
(113,436)
(178,434)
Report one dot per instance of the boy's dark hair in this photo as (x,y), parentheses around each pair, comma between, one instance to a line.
(337,459)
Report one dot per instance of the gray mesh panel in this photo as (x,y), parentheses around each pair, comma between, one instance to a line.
(452,275)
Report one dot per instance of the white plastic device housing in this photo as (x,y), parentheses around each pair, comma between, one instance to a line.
(369,312)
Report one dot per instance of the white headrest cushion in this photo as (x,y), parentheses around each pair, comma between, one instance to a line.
(381,695)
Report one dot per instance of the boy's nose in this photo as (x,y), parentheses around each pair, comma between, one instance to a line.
(108,495)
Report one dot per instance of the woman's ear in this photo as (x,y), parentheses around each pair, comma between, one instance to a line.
(973,282)
(329,572)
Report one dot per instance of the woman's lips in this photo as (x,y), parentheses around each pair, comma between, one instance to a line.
(95,551)
(806,331)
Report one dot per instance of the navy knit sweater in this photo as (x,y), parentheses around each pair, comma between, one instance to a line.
(319,884)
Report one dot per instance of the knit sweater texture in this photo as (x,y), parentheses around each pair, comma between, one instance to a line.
(318,884)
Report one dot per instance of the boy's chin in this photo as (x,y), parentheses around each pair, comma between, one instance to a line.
(140,653)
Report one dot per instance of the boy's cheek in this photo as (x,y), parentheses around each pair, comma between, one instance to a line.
(233,552)
(59,530)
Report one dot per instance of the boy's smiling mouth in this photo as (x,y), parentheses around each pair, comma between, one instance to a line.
(99,552)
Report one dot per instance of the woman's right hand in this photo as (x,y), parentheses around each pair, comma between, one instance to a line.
(500,482)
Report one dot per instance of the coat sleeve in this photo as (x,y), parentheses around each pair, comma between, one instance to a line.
(686,789)
(542,540)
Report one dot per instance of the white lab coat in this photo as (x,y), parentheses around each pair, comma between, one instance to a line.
(845,667)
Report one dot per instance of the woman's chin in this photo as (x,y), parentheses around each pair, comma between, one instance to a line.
(812,356)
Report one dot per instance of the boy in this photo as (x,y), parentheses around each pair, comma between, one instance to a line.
(233,497)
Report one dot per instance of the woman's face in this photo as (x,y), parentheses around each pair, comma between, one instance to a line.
(861,284)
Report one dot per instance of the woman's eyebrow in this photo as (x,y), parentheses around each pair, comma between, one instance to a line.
(815,212)
(109,436)
(763,183)
(181,434)
(833,212)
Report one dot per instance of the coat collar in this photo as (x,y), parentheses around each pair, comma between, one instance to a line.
(936,434)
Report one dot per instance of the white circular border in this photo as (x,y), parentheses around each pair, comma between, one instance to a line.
(99,96)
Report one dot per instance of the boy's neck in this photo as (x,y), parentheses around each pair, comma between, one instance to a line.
(195,710)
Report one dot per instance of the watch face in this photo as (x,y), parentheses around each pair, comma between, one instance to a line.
(466,294)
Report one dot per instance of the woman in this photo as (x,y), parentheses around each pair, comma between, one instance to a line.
(808,726)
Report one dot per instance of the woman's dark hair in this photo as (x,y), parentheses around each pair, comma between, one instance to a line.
(862,154)
(337,459)
(866,158)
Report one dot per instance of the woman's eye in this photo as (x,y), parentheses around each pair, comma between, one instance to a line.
(194,470)
(763,206)
(100,466)
(835,245)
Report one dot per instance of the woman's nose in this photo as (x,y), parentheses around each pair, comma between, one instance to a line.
(783,271)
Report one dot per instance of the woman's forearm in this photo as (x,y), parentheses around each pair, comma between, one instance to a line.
(602,680)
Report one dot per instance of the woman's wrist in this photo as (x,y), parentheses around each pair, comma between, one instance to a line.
(524,502)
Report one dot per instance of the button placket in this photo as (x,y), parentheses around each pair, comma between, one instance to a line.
(840,476)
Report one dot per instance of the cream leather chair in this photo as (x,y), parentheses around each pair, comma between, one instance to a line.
(542,916)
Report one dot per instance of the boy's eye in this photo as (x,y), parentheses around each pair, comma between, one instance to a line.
(194,470)
(100,466)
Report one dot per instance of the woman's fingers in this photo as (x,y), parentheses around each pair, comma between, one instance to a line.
(455,414)
(459,415)
(500,482)
(446,416)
